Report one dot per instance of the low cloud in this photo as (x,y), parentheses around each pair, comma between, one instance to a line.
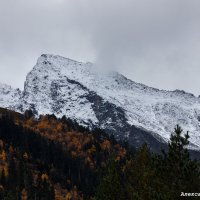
(156,42)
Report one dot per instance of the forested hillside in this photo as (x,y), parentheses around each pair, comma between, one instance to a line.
(50,158)
(58,153)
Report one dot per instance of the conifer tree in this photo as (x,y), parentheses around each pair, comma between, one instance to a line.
(3,178)
(12,174)
(140,175)
(110,187)
(178,171)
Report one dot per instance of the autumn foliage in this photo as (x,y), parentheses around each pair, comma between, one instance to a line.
(61,158)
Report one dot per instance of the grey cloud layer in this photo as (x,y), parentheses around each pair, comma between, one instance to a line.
(156,42)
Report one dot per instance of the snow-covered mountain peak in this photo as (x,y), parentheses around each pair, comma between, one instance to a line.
(9,97)
(108,100)
(57,60)
(5,87)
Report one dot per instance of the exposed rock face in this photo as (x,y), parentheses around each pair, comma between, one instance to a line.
(107,100)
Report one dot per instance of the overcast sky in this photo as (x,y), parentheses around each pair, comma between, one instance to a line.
(155,42)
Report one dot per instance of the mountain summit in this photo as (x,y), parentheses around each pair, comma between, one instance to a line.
(109,101)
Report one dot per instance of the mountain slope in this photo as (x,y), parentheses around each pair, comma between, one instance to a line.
(9,97)
(109,101)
